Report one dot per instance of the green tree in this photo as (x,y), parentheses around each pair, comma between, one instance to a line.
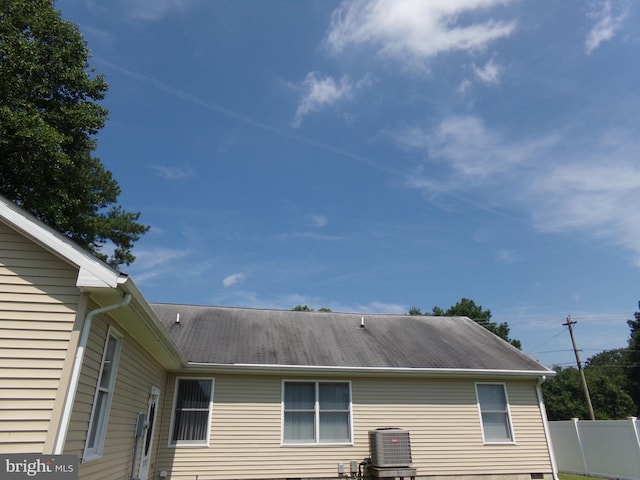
(632,359)
(305,308)
(49,117)
(302,308)
(468,308)
(606,378)
(563,395)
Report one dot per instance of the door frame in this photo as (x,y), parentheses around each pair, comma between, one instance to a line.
(147,437)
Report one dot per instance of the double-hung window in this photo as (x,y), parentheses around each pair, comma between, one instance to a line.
(316,412)
(103,396)
(192,405)
(494,413)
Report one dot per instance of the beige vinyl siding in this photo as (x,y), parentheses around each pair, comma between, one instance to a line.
(38,307)
(441,415)
(446,432)
(135,375)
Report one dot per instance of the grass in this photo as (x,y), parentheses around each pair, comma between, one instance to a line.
(570,476)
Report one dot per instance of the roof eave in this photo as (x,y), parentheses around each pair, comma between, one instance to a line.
(93,273)
(164,348)
(380,371)
(139,320)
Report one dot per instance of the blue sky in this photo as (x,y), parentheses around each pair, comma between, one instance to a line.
(374,156)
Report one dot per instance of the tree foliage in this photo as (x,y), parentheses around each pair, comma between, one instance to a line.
(613,380)
(608,380)
(302,308)
(468,308)
(608,388)
(632,357)
(305,308)
(563,395)
(49,116)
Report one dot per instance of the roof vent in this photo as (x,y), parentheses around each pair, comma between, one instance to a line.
(177,318)
(362,322)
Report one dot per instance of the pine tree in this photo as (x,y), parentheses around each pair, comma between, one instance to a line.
(49,117)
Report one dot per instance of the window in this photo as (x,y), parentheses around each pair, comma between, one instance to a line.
(102,399)
(494,413)
(316,412)
(192,411)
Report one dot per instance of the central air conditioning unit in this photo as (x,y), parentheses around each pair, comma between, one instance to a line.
(389,447)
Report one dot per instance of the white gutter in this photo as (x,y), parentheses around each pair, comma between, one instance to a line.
(276,368)
(147,317)
(75,374)
(545,423)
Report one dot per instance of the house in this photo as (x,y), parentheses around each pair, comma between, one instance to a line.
(82,352)
(89,368)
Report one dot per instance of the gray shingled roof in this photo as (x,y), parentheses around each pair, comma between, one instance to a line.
(232,336)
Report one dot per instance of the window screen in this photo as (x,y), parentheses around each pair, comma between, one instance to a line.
(191,411)
(494,412)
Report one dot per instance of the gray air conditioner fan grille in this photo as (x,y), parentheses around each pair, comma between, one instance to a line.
(390,447)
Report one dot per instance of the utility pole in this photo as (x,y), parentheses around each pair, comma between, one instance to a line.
(569,324)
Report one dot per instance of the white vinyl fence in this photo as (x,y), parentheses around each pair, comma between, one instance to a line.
(599,448)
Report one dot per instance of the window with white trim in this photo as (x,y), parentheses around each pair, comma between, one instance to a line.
(192,405)
(494,413)
(316,412)
(103,396)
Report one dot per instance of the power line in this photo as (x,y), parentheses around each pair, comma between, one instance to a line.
(622,365)
(560,332)
(549,351)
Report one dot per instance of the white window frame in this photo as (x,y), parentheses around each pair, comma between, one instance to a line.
(507,411)
(316,442)
(99,419)
(190,443)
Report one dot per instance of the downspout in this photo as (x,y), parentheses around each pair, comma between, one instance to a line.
(545,423)
(75,373)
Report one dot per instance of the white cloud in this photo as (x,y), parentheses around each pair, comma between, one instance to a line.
(467,145)
(96,34)
(173,173)
(150,258)
(321,92)
(413,31)
(153,10)
(233,279)
(463,86)
(489,74)
(312,236)
(382,307)
(592,195)
(607,24)
(588,187)
(318,221)
(469,148)
(373,307)
(154,262)
(506,256)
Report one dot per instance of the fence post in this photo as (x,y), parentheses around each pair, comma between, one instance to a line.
(576,425)
(634,426)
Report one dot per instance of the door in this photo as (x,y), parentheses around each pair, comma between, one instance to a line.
(147,442)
